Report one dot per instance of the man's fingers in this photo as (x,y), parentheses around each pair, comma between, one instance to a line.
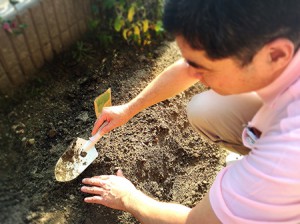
(94,199)
(106,129)
(99,181)
(97,124)
(120,173)
(92,190)
(102,177)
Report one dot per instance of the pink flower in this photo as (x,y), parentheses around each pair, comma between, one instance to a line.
(6,27)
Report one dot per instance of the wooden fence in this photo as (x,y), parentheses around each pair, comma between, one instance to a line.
(51,27)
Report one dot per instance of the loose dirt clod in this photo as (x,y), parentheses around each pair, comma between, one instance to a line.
(83,154)
(69,155)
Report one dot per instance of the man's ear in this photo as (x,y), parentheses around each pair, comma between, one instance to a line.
(280,52)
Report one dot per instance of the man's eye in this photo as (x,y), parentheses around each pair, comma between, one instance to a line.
(192,64)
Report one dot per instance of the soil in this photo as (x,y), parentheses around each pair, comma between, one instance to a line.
(157,150)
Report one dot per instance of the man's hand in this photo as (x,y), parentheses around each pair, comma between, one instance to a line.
(119,193)
(115,115)
(109,190)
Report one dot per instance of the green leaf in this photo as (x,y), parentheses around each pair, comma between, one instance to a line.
(125,34)
(145,25)
(137,31)
(159,27)
(118,24)
(105,39)
(23,26)
(131,13)
(93,24)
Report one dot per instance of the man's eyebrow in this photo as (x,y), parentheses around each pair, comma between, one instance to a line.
(195,65)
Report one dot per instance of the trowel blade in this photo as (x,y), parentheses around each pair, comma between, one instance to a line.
(73,161)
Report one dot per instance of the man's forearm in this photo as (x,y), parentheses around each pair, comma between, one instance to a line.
(175,79)
(150,211)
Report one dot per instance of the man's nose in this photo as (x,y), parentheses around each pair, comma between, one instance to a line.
(194,72)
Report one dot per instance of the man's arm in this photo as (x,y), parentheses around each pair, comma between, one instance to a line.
(150,211)
(117,192)
(173,80)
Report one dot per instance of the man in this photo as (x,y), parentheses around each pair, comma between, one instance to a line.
(246,52)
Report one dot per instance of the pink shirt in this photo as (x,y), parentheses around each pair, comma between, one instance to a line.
(264,187)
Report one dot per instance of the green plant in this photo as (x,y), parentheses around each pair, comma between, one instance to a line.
(105,39)
(81,51)
(12,27)
(93,24)
(132,20)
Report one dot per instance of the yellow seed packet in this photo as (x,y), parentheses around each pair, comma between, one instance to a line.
(104,100)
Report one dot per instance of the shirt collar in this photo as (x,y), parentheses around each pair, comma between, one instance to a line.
(279,85)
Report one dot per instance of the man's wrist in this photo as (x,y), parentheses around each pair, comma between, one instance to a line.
(132,200)
(133,107)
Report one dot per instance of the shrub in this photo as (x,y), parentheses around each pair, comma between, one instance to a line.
(135,21)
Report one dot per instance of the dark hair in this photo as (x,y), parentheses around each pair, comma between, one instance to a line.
(233,28)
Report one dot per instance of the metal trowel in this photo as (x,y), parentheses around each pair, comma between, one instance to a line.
(78,156)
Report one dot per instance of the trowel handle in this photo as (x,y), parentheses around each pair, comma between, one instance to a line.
(95,138)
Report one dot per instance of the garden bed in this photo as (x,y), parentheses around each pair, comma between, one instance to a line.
(157,150)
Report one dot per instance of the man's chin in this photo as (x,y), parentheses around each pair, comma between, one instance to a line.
(222,92)
(228,93)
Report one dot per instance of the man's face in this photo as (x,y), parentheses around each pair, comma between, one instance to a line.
(226,76)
